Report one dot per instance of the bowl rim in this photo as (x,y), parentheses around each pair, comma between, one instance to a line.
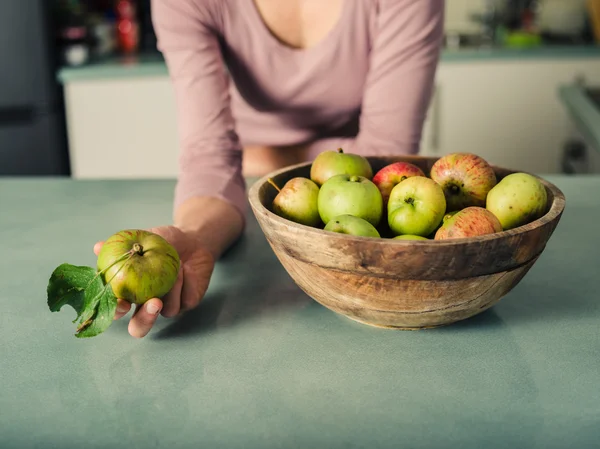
(556,209)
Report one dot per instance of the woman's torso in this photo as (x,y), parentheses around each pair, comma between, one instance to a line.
(282,95)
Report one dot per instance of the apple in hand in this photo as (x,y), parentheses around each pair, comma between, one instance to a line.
(469,222)
(517,199)
(330,163)
(416,206)
(350,195)
(349,224)
(466,179)
(390,175)
(297,201)
(139,265)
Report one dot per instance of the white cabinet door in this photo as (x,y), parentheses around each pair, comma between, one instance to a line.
(122,128)
(506,111)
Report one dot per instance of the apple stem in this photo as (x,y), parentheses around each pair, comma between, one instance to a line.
(454,189)
(270,181)
(340,150)
(137,249)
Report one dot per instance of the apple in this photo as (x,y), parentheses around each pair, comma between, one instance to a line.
(390,175)
(469,222)
(330,163)
(297,201)
(466,179)
(349,224)
(138,265)
(448,216)
(416,206)
(350,195)
(409,237)
(517,199)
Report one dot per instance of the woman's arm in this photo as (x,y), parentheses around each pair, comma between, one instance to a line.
(212,221)
(400,81)
(210,197)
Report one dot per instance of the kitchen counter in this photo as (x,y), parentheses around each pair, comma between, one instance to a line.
(261,365)
(153,64)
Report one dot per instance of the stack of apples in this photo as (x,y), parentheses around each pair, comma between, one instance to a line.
(460,197)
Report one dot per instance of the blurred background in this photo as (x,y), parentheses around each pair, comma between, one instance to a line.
(82,85)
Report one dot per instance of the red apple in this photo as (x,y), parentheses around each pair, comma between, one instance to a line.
(469,222)
(466,179)
(390,175)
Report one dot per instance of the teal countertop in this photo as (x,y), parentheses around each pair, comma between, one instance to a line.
(153,64)
(261,365)
(583,111)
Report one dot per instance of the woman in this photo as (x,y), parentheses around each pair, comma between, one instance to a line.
(280,81)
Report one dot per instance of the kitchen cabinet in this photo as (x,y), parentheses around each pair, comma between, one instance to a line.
(122,128)
(506,111)
(504,108)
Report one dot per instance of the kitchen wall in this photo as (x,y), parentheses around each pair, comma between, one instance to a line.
(458,12)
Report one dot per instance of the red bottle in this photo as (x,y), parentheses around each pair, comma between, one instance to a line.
(127,26)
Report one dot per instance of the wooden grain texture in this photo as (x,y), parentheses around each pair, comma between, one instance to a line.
(407,304)
(403,283)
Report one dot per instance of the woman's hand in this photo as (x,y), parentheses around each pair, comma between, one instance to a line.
(197,265)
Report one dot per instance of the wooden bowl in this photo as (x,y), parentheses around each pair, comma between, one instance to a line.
(404,284)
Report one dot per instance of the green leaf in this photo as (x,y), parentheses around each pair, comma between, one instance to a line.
(67,285)
(100,306)
(83,289)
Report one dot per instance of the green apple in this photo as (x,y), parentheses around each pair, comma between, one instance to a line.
(138,265)
(349,224)
(330,163)
(466,179)
(297,201)
(350,195)
(469,222)
(518,199)
(409,237)
(416,206)
(448,216)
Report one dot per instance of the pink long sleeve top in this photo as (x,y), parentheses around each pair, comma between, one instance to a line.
(365,87)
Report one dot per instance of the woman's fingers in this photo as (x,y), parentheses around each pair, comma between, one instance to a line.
(97,247)
(189,294)
(122,308)
(144,318)
(172,300)
(197,272)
